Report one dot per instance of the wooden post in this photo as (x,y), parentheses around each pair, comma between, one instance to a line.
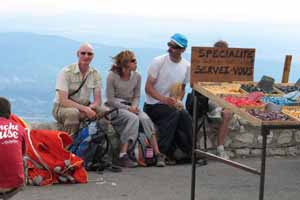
(287,68)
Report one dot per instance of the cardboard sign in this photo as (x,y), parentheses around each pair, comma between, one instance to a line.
(210,64)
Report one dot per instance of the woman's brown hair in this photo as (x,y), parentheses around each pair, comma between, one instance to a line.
(121,60)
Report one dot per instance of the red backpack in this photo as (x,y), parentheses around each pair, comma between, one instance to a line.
(48,160)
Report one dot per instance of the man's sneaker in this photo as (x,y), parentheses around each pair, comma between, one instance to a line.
(160,162)
(170,160)
(215,113)
(125,161)
(223,154)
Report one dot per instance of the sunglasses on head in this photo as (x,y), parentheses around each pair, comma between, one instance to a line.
(86,53)
(173,46)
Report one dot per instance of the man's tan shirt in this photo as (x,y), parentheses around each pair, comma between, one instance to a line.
(70,78)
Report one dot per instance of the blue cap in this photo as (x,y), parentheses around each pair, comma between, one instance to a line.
(180,40)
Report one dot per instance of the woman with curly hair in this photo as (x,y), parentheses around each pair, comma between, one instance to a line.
(123,90)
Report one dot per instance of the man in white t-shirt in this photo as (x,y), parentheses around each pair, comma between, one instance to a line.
(174,126)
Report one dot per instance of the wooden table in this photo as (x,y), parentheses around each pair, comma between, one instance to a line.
(265,126)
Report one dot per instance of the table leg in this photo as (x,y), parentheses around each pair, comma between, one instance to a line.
(264,133)
(195,125)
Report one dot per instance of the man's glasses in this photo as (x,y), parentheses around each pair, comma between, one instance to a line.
(83,53)
(173,46)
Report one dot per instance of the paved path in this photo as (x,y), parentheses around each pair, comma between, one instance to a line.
(214,182)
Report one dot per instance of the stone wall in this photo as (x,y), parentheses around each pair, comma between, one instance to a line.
(244,140)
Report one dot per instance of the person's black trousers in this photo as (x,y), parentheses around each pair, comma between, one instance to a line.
(174,128)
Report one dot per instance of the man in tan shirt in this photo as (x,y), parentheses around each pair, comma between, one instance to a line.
(70,108)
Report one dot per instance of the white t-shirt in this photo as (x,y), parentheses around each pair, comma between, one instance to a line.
(166,74)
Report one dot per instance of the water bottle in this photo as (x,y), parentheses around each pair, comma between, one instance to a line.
(149,152)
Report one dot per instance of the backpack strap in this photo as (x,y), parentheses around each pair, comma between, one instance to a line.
(116,110)
(80,86)
(42,162)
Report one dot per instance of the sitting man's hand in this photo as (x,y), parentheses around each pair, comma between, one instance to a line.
(178,105)
(89,112)
(169,101)
(93,106)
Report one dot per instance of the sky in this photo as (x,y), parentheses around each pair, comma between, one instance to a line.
(255,11)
